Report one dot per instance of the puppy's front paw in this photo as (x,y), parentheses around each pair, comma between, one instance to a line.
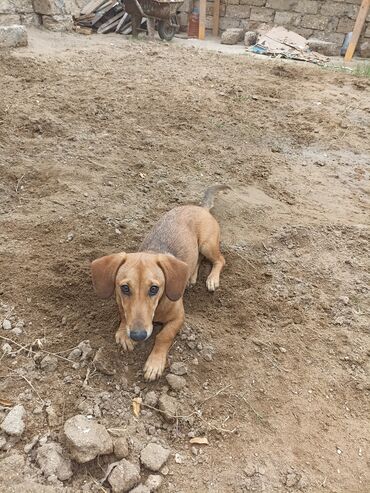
(154,366)
(123,339)
(212,283)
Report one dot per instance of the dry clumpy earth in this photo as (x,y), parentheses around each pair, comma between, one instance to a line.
(97,139)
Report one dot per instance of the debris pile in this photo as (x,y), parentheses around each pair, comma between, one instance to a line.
(105,16)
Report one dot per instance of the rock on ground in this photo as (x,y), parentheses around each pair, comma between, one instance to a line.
(154,482)
(7,325)
(154,456)
(51,461)
(120,448)
(13,424)
(250,38)
(49,363)
(86,439)
(103,362)
(175,382)
(141,488)
(124,477)
(179,368)
(364,49)
(323,47)
(168,406)
(151,398)
(13,36)
(232,36)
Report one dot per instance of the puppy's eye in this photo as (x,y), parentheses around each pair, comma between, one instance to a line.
(125,289)
(153,290)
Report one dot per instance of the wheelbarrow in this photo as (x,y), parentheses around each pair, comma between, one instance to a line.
(160,12)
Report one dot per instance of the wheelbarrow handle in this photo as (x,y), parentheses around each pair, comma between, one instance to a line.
(139,7)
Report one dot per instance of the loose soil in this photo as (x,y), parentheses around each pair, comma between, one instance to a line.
(98,137)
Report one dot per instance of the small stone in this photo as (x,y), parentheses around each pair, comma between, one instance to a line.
(103,362)
(344,300)
(154,456)
(51,460)
(17,331)
(7,325)
(37,410)
(53,418)
(194,450)
(141,488)
(86,439)
(168,405)
(151,398)
(165,470)
(179,368)
(250,38)
(124,477)
(75,354)
(29,446)
(282,349)
(120,448)
(232,36)
(2,442)
(86,349)
(49,363)
(154,482)
(6,348)
(178,459)
(13,424)
(291,479)
(70,236)
(176,382)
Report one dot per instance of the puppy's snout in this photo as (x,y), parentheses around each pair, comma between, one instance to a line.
(138,334)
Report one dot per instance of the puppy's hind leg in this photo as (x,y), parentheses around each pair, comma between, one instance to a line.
(211,250)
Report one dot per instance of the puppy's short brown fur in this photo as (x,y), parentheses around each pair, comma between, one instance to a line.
(149,284)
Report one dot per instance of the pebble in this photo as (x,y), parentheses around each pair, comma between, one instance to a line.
(2,442)
(29,446)
(154,482)
(165,470)
(154,456)
(7,325)
(17,331)
(291,479)
(86,349)
(176,382)
(168,405)
(140,489)
(103,362)
(75,354)
(49,363)
(124,477)
(6,348)
(53,419)
(52,462)
(70,236)
(86,439)
(14,424)
(179,368)
(151,398)
(120,448)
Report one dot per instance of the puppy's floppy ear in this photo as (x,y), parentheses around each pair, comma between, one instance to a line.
(176,275)
(104,272)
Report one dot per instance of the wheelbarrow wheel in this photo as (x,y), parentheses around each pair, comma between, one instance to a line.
(166,30)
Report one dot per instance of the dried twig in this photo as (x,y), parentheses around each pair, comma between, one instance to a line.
(109,470)
(29,383)
(30,350)
(18,183)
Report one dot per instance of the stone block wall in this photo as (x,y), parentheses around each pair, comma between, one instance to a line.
(17,12)
(321,19)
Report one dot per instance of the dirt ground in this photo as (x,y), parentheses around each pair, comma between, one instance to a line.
(98,137)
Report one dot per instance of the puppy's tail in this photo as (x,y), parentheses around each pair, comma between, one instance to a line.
(210,194)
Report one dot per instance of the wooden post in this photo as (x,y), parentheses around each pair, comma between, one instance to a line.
(216,17)
(202,19)
(359,24)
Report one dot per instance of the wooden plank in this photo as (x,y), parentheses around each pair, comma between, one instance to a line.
(92,6)
(99,15)
(109,24)
(202,19)
(216,18)
(359,24)
(121,22)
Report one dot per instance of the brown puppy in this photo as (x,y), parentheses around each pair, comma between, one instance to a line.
(149,285)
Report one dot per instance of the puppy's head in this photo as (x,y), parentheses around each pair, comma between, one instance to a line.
(139,281)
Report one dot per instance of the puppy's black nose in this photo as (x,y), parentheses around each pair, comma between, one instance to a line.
(138,335)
